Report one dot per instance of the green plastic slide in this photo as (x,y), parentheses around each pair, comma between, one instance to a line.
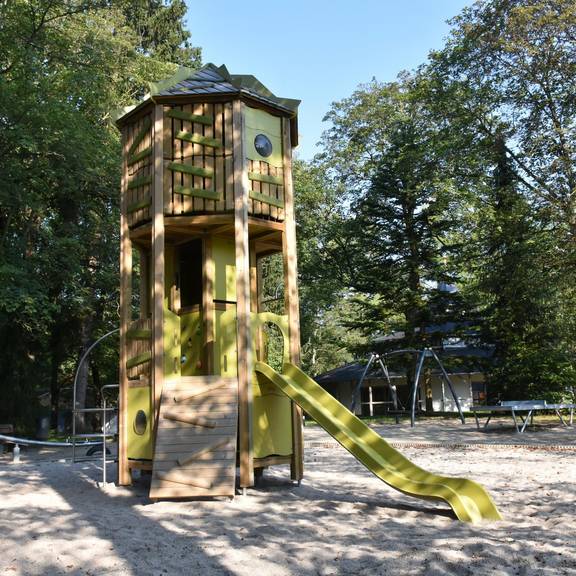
(470,502)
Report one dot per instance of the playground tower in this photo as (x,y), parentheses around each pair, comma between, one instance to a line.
(206,195)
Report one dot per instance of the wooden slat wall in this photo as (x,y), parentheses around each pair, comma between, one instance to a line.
(219,160)
(139,174)
(274,191)
(194,461)
(136,346)
(200,155)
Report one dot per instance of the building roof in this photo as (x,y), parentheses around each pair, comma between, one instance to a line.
(215,81)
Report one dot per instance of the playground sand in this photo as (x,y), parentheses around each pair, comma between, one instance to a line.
(342,520)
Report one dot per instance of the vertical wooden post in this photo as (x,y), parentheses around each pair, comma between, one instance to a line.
(208,307)
(125,317)
(158,262)
(242,297)
(291,295)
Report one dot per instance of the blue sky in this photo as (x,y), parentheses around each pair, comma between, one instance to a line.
(319,51)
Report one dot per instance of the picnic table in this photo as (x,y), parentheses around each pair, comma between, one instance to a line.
(523,410)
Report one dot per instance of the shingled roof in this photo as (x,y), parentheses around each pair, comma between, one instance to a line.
(214,80)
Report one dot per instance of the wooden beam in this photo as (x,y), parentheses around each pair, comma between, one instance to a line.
(244,342)
(197,118)
(291,296)
(200,220)
(124,477)
(208,307)
(158,238)
(258,222)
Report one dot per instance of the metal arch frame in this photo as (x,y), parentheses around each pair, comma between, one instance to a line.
(422,355)
(355,395)
(80,363)
(429,353)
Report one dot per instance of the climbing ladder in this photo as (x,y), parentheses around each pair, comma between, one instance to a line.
(195,451)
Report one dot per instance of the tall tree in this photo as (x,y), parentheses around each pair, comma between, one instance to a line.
(64,66)
(509,68)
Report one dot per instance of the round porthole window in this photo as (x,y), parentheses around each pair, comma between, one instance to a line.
(263,145)
(140,422)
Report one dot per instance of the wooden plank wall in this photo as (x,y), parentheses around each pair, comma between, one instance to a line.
(274,209)
(207,144)
(139,170)
(138,347)
(195,144)
(195,451)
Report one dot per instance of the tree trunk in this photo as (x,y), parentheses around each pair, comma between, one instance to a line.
(86,325)
(54,388)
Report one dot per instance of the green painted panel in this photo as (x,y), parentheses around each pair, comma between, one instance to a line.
(140,136)
(140,156)
(138,205)
(172,350)
(139,334)
(266,178)
(223,252)
(198,118)
(140,445)
(266,199)
(225,349)
(169,272)
(197,192)
(272,412)
(272,425)
(137,360)
(188,169)
(172,347)
(197,139)
(260,122)
(191,331)
(140,181)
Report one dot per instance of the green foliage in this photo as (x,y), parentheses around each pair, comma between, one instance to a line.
(64,66)
(461,173)
(327,312)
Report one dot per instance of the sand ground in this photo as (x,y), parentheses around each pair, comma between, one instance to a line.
(341,520)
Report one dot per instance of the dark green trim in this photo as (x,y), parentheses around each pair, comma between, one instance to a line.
(199,119)
(197,139)
(139,334)
(266,178)
(266,199)
(140,155)
(138,205)
(140,181)
(197,192)
(138,360)
(140,136)
(188,169)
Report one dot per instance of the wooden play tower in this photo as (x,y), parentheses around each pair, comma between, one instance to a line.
(206,195)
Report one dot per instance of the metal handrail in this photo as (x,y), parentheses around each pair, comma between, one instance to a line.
(104,435)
